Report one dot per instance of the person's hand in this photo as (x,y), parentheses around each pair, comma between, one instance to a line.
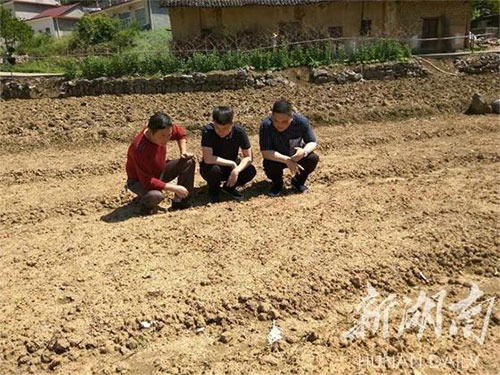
(233,165)
(187,155)
(299,154)
(294,167)
(180,191)
(233,177)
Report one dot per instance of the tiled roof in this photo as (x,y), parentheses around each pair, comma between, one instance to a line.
(55,12)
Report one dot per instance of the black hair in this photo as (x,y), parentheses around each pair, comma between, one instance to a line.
(282,106)
(159,121)
(223,115)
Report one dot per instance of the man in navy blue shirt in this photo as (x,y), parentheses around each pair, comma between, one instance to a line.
(221,142)
(287,141)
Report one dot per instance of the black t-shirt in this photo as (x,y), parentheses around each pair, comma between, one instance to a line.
(227,147)
(297,134)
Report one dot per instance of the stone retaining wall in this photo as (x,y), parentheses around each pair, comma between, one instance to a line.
(29,88)
(385,71)
(479,64)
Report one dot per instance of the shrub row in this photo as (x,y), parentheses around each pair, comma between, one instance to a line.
(281,58)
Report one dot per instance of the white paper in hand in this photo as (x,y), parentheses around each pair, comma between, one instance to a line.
(274,335)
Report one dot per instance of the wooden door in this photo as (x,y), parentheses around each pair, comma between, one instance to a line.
(430,29)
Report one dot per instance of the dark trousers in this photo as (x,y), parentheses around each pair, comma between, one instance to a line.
(183,169)
(214,174)
(274,169)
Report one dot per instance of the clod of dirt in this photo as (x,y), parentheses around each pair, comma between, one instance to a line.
(226,337)
(312,336)
(122,369)
(56,362)
(60,346)
(274,314)
(264,308)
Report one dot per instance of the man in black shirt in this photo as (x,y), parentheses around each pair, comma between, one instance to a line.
(287,141)
(221,142)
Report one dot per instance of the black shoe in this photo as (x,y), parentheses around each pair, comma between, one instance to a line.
(232,192)
(182,205)
(298,187)
(146,211)
(214,197)
(275,190)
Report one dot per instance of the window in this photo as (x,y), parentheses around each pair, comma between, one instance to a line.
(336,32)
(366,28)
(125,19)
(47,30)
(430,27)
(140,17)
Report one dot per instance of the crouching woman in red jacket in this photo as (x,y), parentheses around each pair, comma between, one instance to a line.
(149,171)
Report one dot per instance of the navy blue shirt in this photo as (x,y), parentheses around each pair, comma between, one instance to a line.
(296,135)
(227,147)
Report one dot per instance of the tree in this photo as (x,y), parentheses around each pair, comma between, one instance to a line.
(484,8)
(13,30)
(96,29)
(102,32)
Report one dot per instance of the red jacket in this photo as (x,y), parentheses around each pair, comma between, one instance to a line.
(146,160)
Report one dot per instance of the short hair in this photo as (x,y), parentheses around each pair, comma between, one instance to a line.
(223,115)
(159,121)
(282,106)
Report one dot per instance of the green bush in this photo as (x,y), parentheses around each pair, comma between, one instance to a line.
(201,62)
(92,30)
(71,69)
(484,8)
(102,34)
(233,60)
(125,38)
(122,65)
(131,64)
(45,45)
(94,67)
(381,51)
(12,30)
(299,56)
(169,64)
(39,45)
(152,64)
(260,60)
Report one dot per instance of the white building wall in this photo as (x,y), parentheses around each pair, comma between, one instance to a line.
(65,26)
(42,24)
(9,7)
(25,11)
(51,2)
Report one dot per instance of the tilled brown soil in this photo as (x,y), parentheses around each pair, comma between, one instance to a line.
(408,206)
(81,121)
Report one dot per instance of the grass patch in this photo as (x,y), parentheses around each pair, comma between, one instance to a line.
(147,41)
(35,66)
